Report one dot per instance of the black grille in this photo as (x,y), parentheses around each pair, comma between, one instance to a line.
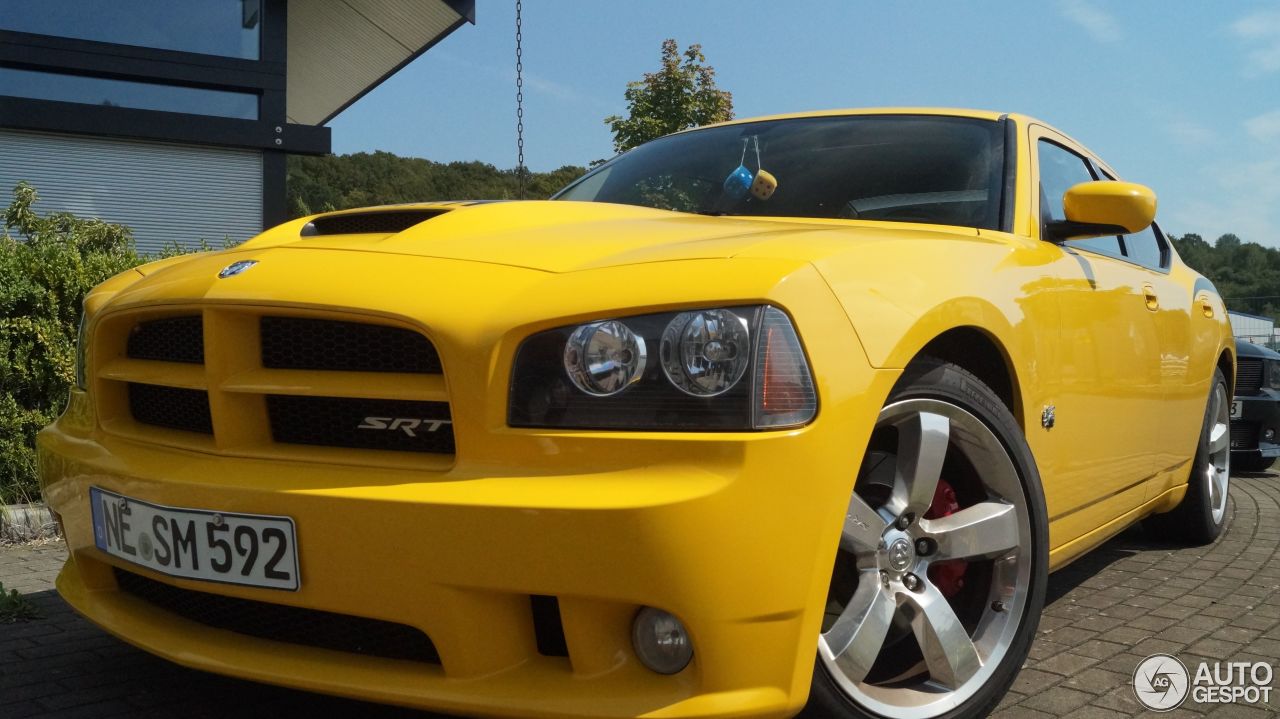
(302,343)
(176,339)
(1244,435)
(294,625)
(397,425)
(1248,376)
(368,222)
(185,409)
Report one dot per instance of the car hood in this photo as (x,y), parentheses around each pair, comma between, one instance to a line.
(562,236)
(1245,348)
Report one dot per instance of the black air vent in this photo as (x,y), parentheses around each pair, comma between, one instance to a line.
(175,339)
(303,343)
(1248,375)
(280,623)
(1244,435)
(172,407)
(385,222)
(396,425)
(548,627)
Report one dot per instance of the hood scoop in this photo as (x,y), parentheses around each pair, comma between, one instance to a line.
(383,222)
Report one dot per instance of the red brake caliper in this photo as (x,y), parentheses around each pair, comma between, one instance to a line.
(947,575)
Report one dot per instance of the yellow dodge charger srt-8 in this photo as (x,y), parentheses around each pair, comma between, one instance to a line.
(780,415)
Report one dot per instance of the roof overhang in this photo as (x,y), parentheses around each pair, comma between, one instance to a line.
(341,49)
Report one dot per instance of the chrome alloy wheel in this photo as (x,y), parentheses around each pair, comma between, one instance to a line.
(888,546)
(1218,472)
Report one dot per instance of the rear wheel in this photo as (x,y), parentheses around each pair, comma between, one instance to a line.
(1202,514)
(941,571)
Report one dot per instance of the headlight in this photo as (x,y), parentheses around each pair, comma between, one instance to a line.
(727,368)
(604,358)
(705,353)
(82,382)
(1273,374)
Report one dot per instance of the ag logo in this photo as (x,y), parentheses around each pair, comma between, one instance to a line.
(1161,682)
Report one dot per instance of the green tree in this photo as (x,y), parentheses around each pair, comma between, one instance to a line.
(325,183)
(47,265)
(1246,274)
(1194,251)
(678,96)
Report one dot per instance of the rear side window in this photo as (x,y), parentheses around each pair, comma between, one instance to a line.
(1060,170)
(1146,248)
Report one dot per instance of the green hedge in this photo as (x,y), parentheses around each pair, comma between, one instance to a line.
(47,264)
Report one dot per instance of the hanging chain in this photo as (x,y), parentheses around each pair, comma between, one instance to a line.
(520,171)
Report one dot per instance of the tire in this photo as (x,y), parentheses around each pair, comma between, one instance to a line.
(1251,462)
(897,619)
(1202,514)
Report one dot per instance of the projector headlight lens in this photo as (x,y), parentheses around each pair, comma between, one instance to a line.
(604,358)
(705,353)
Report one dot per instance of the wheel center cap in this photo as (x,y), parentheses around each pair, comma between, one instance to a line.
(900,554)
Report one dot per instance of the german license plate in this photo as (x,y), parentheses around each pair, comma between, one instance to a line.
(250,549)
(1235,410)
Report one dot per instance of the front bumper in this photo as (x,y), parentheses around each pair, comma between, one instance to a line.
(1258,414)
(733,533)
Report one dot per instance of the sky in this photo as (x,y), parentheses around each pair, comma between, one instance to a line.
(1181,96)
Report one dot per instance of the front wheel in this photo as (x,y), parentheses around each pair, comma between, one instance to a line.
(942,566)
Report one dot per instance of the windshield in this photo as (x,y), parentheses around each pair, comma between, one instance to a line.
(900,168)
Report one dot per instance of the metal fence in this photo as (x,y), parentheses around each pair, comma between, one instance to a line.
(1270,340)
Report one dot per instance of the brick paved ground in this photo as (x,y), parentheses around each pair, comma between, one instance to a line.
(1132,598)
(1127,600)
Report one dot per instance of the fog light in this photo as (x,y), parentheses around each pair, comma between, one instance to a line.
(1269,434)
(661,641)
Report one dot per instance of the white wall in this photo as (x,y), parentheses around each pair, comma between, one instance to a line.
(1258,330)
(164,192)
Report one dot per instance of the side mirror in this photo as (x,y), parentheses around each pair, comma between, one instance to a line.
(1105,207)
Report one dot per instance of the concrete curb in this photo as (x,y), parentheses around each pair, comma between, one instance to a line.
(26,522)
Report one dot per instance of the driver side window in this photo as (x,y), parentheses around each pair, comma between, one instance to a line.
(1060,169)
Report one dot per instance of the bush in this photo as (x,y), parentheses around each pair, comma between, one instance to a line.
(16,608)
(47,265)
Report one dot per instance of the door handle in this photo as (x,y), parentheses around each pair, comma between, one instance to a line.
(1153,302)
(1206,307)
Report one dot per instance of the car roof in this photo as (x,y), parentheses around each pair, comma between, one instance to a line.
(941,111)
(976,114)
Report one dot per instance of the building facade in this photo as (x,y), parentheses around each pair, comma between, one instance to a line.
(1255,329)
(175,117)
